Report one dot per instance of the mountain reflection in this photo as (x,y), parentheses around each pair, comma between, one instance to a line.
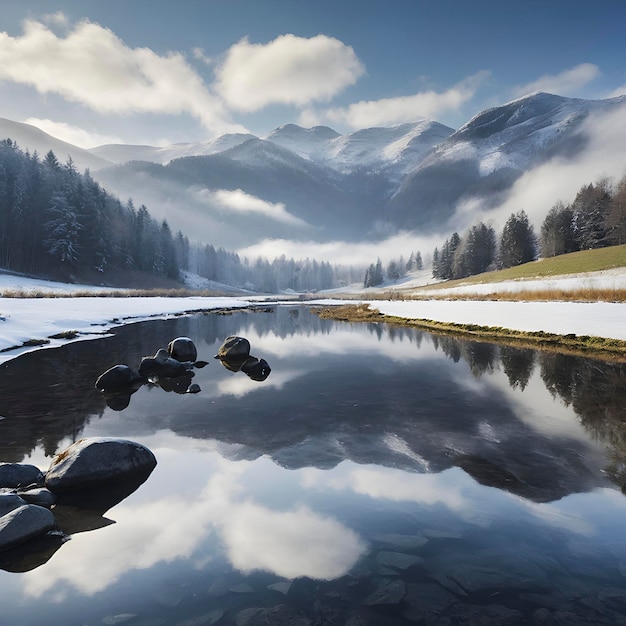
(371,393)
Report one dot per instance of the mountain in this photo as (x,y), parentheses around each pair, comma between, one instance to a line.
(488,154)
(335,185)
(393,150)
(123,153)
(32,139)
(319,185)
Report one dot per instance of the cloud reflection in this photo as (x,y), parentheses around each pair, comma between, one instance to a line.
(290,543)
(174,515)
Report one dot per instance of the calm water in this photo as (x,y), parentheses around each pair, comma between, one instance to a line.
(378,476)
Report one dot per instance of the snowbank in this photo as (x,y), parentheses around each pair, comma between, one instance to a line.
(24,319)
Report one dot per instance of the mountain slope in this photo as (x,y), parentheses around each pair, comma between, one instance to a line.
(488,154)
(32,139)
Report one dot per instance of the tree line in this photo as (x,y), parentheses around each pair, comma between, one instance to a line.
(58,222)
(595,219)
(375,274)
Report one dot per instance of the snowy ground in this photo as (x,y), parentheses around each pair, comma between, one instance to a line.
(23,319)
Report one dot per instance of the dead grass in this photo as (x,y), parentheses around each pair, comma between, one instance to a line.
(114,293)
(581,345)
(587,294)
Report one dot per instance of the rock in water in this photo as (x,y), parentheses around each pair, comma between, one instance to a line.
(117,378)
(234,349)
(182,349)
(19,475)
(24,523)
(162,365)
(97,460)
(9,502)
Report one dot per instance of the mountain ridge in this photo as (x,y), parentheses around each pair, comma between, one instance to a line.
(365,184)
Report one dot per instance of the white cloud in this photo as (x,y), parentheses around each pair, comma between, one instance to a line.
(287,70)
(93,67)
(567,83)
(344,252)
(72,134)
(389,111)
(199,54)
(242,202)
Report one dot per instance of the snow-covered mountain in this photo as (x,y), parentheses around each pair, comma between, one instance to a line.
(123,153)
(488,154)
(318,184)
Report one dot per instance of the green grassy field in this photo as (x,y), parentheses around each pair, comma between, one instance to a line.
(573,263)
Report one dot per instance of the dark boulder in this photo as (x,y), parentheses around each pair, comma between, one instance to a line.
(234,349)
(162,365)
(19,475)
(40,496)
(256,369)
(9,502)
(97,461)
(24,523)
(182,349)
(118,378)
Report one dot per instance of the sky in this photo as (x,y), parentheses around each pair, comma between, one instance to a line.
(158,72)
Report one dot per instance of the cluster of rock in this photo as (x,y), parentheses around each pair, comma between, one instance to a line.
(234,354)
(172,369)
(92,474)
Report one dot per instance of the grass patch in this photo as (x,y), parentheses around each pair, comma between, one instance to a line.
(573,263)
(35,342)
(66,334)
(579,345)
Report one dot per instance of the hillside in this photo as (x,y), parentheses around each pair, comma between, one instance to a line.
(602,270)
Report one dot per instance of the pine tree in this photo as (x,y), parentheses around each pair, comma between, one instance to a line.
(518,241)
(557,231)
(63,230)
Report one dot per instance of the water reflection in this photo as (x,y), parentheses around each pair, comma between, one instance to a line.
(372,456)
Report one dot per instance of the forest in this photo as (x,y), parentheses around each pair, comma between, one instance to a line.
(56,222)
(595,219)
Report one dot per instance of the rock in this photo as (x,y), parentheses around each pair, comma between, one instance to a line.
(234,349)
(24,523)
(182,349)
(162,365)
(40,496)
(193,388)
(118,378)
(9,502)
(97,460)
(256,369)
(19,475)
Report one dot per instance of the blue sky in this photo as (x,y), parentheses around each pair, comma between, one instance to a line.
(156,71)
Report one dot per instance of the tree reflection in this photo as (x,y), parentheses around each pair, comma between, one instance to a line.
(518,365)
